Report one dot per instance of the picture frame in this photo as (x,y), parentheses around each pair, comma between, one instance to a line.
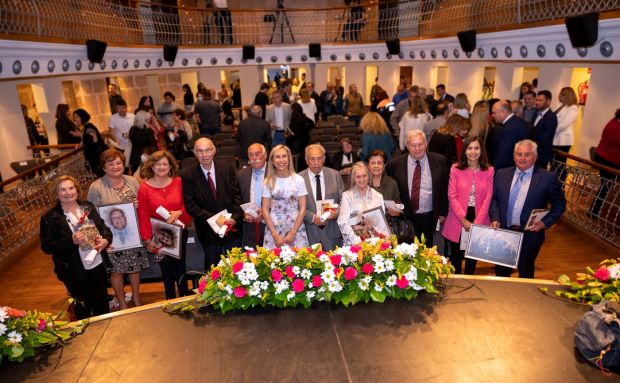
(370,223)
(122,220)
(167,237)
(497,246)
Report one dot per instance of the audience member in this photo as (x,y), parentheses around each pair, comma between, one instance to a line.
(376,136)
(209,114)
(545,126)
(279,116)
(66,130)
(512,130)
(252,130)
(414,119)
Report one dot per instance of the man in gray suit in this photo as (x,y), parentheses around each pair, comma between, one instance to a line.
(251,184)
(321,183)
(279,116)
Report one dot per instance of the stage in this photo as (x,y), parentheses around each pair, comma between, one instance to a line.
(482,329)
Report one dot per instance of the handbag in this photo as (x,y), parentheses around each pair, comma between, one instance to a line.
(597,336)
(401,227)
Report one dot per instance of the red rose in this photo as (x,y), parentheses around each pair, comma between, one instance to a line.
(367,268)
(215,274)
(402,282)
(276,275)
(239,292)
(337,271)
(602,274)
(289,272)
(237,267)
(316,281)
(385,245)
(355,248)
(277,251)
(298,285)
(350,273)
(336,259)
(202,285)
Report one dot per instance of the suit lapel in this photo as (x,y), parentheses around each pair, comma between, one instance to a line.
(203,185)
(310,201)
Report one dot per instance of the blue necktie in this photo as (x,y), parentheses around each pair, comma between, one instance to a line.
(258,187)
(514,194)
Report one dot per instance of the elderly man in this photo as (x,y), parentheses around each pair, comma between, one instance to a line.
(208,188)
(423,184)
(512,130)
(322,183)
(119,227)
(516,192)
(251,183)
(279,116)
(252,130)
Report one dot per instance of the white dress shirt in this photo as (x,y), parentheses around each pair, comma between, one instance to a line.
(514,219)
(119,128)
(312,178)
(260,178)
(210,173)
(426,184)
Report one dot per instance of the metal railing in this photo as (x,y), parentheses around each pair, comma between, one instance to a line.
(152,23)
(22,206)
(592,196)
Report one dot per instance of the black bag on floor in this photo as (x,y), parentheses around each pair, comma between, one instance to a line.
(598,336)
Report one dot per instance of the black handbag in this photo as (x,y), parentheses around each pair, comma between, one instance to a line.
(401,227)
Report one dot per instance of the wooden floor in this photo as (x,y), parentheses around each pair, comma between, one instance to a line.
(29,282)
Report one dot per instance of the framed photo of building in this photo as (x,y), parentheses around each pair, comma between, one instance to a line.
(167,237)
(498,246)
(123,222)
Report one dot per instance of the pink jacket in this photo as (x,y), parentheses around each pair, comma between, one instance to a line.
(458,197)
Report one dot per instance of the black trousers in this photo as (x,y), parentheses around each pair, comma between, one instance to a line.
(530,247)
(424,224)
(223,20)
(457,255)
(173,272)
(213,251)
(90,293)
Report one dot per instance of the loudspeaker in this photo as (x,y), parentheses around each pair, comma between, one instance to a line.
(393,46)
(248,52)
(170,52)
(467,39)
(315,49)
(95,50)
(582,29)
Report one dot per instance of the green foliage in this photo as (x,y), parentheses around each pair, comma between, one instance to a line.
(593,286)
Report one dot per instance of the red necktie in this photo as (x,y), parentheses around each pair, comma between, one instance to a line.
(212,185)
(415,187)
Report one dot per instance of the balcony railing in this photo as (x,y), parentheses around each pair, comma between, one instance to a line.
(154,24)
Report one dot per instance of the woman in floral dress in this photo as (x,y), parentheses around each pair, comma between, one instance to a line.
(284,201)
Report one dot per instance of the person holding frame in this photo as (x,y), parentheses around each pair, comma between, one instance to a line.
(116,188)
(470,189)
(162,188)
(358,199)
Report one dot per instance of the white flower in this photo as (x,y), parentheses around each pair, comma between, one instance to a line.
(378,288)
(221,263)
(334,286)
(220,285)
(372,240)
(3,329)
(412,274)
(321,289)
(3,314)
(281,286)
(444,260)
(614,271)
(14,337)
(324,258)
(254,290)
(415,286)
(391,281)
(428,264)
(296,270)
(329,267)
(377,258)
(290,295)
(228,289)
(310,295)
(287,254)
(305,273)
(347,255)
(389,265)
(367,279)
(379,267)
(409,249)
(264,285)
(328,275)
(275,263)
(363,285)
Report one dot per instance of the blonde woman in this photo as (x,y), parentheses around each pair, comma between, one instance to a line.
(567,117)
(307,104)
(414,119)
(461,105)
(376,136)
(284,201)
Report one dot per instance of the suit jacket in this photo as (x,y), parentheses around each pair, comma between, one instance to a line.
(544,189)
(447,98)
(249,234)
(513,131)
(330,235)
(397,169)
(286,116)
(337,162)
(252,130)
(543,134)
(201,205)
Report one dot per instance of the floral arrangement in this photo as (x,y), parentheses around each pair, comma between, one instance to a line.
(375,269)
(22,333)
(593,286)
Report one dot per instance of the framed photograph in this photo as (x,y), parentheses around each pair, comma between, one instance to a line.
(167,237)
(370,223)
(122,220)
(498,246)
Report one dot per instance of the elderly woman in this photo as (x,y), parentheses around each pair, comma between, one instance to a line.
(284,201)
(376,136)
(116,188)
(162,187)
(83,276)
(359,198)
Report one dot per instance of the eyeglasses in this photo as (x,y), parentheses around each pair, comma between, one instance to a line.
(315,159)
(204,151)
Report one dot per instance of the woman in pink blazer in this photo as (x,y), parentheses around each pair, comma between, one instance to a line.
(469,194)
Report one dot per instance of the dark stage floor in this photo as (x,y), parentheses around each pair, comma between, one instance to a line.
(481,330)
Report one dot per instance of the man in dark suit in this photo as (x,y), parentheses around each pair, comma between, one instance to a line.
(442,95)
(545,124)
(516,192)
(423,184)
(252,130)
(321,183)
(208,188)
(251,183)
(512,130)
(262,98)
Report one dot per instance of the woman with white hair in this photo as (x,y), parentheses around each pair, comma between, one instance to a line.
(141,137)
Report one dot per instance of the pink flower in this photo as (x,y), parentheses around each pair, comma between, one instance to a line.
(336,259)
(367,268)
(237,267)
(277,251)
(42,325)
(249,253)
(215,274)
(239,292)
(350,273)
(385,245)
(355,248)
(602,274)
(316,281)
(276,275)
(298,285)
(319,253)
(202,285)
(402,282)
(289,272)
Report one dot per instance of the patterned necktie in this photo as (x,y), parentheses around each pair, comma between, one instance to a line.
(415,187)
(514,194)
(319,195)
(212,186)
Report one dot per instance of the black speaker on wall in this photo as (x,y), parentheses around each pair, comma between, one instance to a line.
(582,29)
(315,49)
(170,52)
(95,50)
(393,46)
(467,39)
(249,52)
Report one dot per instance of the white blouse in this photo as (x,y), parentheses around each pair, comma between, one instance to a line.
(353,203)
